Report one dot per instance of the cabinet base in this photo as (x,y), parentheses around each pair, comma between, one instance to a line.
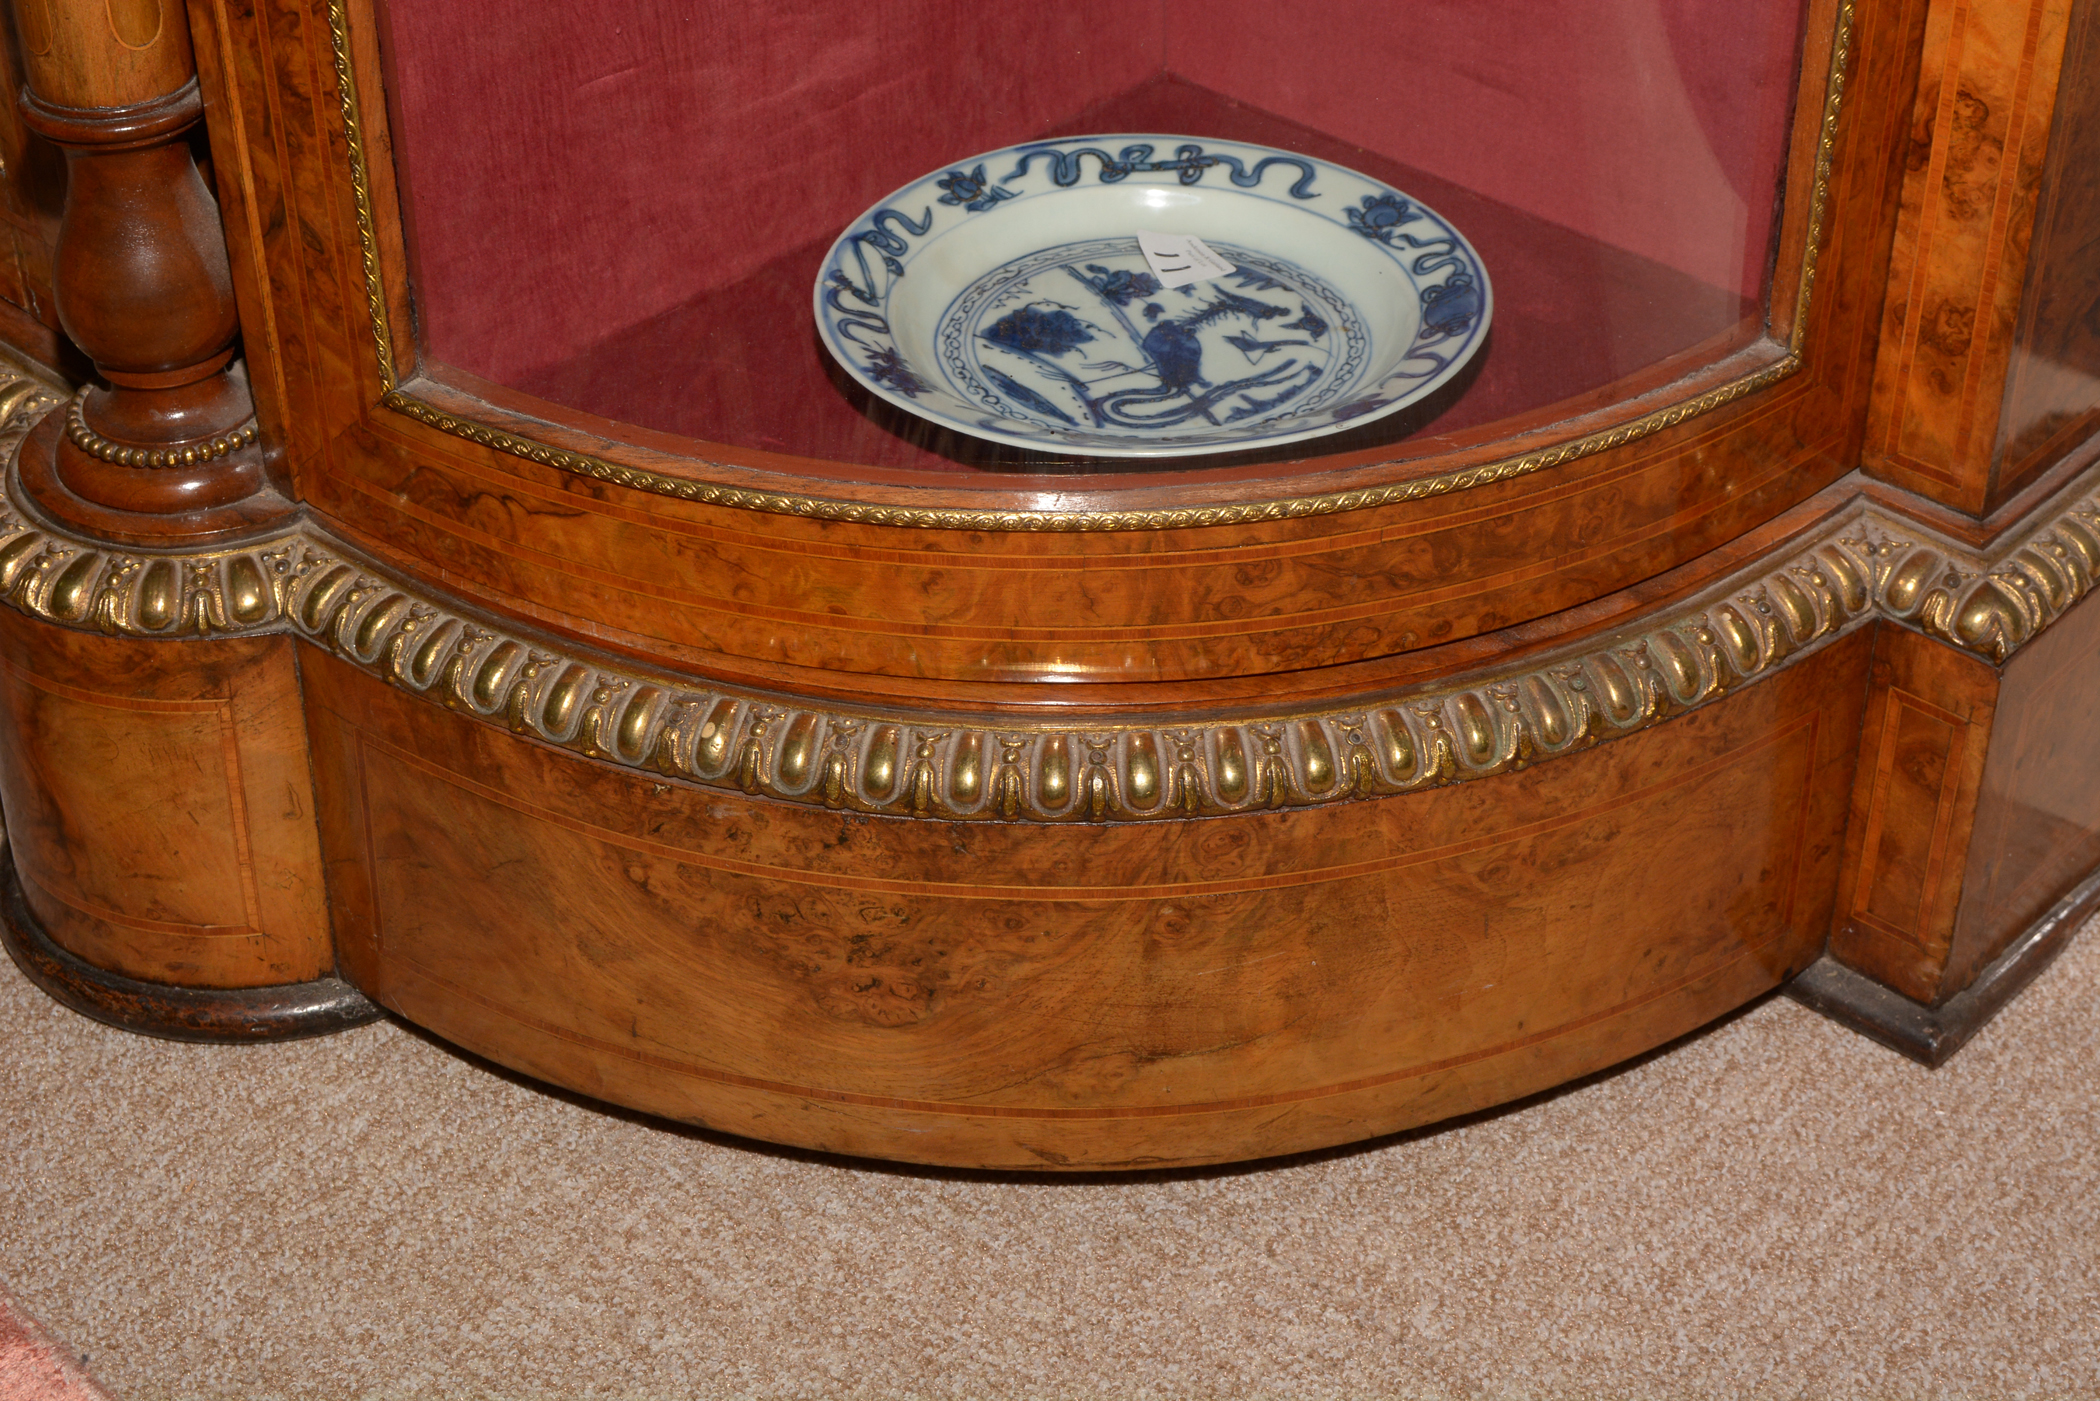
(284,1012)
(1927,1034)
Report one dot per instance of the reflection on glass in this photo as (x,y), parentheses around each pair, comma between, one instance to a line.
(622,210)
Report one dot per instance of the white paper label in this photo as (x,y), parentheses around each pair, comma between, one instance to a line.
(1179,259)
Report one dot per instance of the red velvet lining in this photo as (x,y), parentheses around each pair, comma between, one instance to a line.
(626,215)
(568,169)
(1656,126)
(742,365)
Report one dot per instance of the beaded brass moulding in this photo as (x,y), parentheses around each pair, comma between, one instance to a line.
(97,446)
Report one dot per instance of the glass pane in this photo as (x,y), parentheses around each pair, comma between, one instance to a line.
(623,208)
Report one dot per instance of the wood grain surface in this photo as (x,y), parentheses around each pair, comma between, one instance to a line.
(103,53)
(1921,757)
(2049,406)
(2036,832)
(1976,806)
(272,1012)
(1978,143)
(1081,996)
(159,806)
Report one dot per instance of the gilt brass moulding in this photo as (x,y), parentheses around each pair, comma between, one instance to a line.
(1862,565)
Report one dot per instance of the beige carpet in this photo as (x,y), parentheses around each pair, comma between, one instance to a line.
(1773,1208)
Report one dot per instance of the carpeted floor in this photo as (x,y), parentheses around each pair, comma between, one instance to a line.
(1772,1208)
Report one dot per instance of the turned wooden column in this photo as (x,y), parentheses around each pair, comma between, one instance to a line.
(167,450)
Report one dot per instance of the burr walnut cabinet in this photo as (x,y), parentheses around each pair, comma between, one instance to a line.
(444,574)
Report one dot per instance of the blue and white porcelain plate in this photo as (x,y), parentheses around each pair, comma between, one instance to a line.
(1008,298)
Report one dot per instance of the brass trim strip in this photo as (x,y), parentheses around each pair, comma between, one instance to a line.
(1865,564)
(1170,518)
(361,189)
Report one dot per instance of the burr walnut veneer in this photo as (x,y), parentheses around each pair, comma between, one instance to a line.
(765,763)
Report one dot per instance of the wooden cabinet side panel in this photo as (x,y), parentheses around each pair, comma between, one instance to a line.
(159,804)
(2052,391)
(1104,995)
(2037,830)
(1921,756)
(1978,144)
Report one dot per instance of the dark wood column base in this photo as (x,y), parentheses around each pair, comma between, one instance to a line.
(1930,1035)
(285,1012)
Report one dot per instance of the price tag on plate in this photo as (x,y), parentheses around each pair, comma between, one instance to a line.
(1180,259)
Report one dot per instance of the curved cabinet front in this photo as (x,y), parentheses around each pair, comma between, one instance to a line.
(971,587)
(1038,820)
(1079,996)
